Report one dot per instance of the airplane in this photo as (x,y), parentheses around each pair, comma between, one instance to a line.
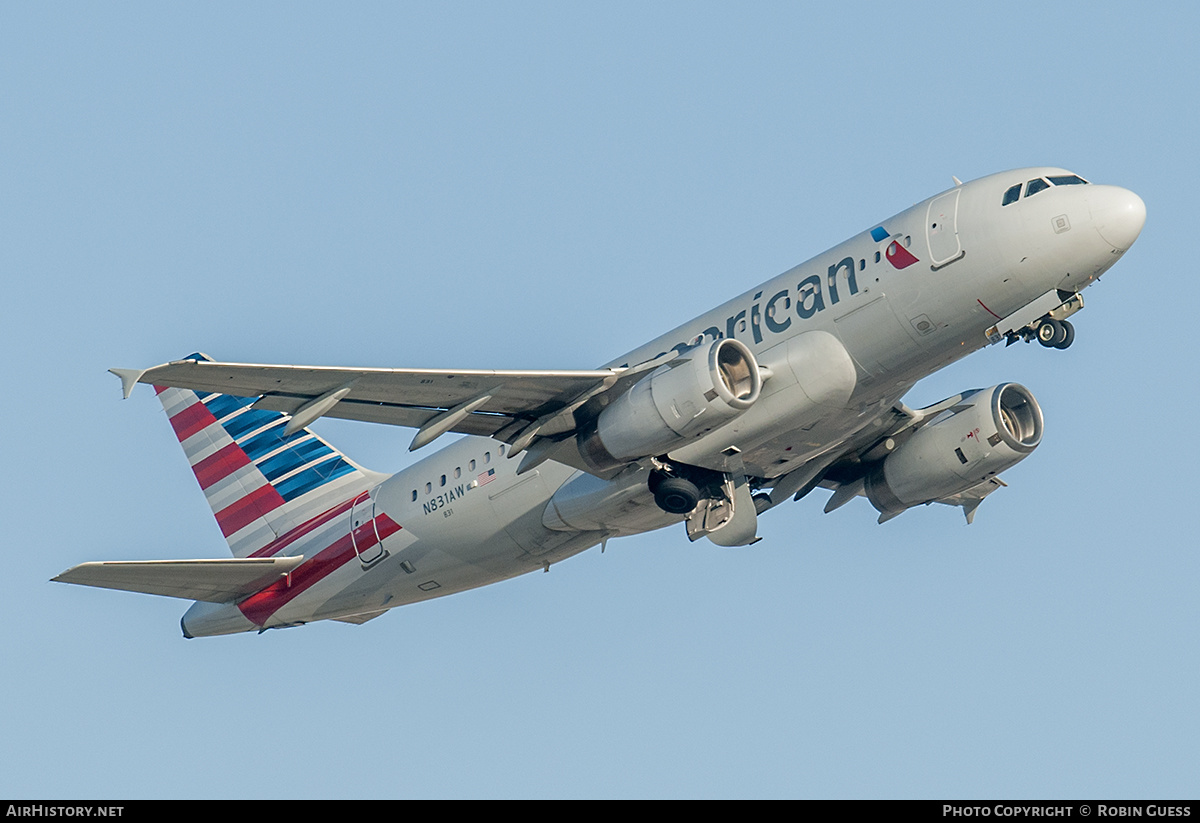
(793,385)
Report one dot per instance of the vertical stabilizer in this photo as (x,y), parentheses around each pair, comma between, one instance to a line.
(260,482)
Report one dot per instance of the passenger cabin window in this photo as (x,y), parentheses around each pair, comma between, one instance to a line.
(1012,195)
(1034,186)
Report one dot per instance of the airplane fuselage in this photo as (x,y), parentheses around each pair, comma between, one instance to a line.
(841,338)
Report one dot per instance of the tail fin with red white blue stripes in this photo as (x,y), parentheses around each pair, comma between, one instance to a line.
(259,482)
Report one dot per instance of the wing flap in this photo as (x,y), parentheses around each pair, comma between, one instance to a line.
(214,581)
(970,499)
(359,619)
(392,414)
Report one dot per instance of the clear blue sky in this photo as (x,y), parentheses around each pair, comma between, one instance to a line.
(548,185)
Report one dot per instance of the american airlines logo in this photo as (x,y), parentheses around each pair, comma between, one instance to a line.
(896,254)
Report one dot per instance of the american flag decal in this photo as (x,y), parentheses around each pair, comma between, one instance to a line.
(485,478)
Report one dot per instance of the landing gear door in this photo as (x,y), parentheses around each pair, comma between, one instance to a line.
(941,230)
(728,520)
(364,533)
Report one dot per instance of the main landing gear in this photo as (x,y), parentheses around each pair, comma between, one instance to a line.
(674,494)
(718,505)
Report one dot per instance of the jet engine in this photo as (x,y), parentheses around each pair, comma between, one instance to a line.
(623,505)
(986,432)
(704,387)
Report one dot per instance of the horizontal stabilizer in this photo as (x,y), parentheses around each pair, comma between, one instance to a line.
(215,581)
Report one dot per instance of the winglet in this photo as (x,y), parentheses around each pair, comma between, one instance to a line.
(129,379)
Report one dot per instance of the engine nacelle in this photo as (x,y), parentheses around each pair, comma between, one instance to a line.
(988,431)
(623,505)
(703,388)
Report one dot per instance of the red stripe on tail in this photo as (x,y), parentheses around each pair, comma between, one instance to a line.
(286,539)
(219,465)
(191,420)
(256,504)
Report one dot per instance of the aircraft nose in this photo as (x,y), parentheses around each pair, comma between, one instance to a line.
(1118,214)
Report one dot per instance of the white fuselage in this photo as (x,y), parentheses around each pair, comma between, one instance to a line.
(975,261)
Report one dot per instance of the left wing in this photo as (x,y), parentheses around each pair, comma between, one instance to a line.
(512,406)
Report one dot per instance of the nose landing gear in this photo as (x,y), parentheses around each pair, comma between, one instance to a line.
(1055,334)
(1033,322)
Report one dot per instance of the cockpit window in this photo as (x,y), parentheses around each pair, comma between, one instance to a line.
(1034,186)
(1040,184)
